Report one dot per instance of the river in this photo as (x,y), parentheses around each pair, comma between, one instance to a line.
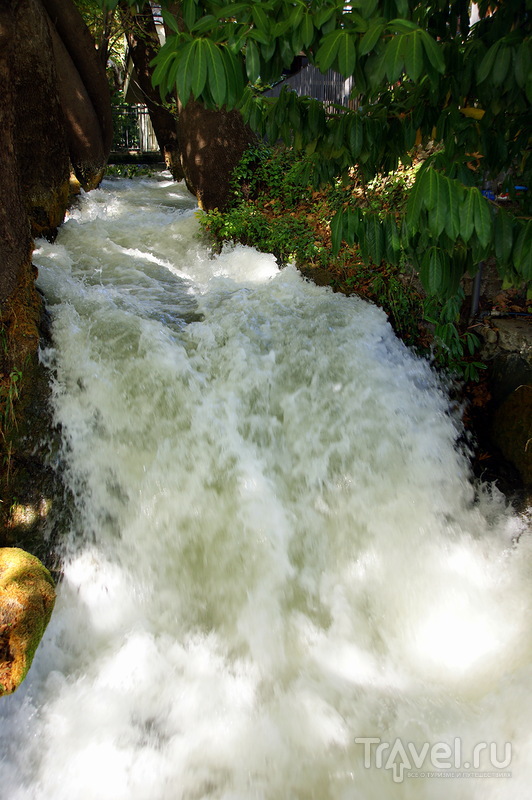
(279,581)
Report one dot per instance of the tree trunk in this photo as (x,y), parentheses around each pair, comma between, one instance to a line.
(143,44)
(41,141)
(15,241)
(212,143)
(77,39)
(83,129)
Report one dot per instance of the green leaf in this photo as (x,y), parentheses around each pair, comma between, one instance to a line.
(356,135)
(232,10)
(522,256)
(467,217)
(204,24)
(452,193)
(216,73)
(483,225)
(438,213)
(163,61)
(323,16)
(503,230)
(189,9)
(433,52)
(328,50)
(307,30)
(431,187)
(413,53)
(487,62)
(337,226)
(402,26)
(346,55)
(185,71)
(260,18)
(370,38)
(501,65)
(252,61)
(199,75)
(375,238)
(522,63)
(414,206)
(170,21)
(393,58)
(234,77)
(431,273)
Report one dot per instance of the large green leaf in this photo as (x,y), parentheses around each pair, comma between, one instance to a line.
(307,30)
(328,50)
(483,226)
(356,135)
(452,194)
(502,63)
(375,237)
(170,21)
(413,55)
(430,185)
(185,72)
(438,213)
(371,37)
(337,231)
(199,68)
(252,61)
(434,53)
(346,55)
(467,217)
(393,58)
(503,230)
(486,65)
(522,256)
(431,273)
(216,73)
(414,207)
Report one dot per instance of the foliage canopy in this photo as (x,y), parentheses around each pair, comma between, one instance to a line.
(421,72)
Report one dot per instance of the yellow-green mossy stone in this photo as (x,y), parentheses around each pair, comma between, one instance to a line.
(27,597)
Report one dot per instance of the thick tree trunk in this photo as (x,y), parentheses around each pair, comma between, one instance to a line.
(15,241)
(212,143)
(41,141)
(83,129)
(143,47)
(77,39)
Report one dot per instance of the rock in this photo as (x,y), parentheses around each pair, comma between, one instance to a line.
(27,597)
(512,431)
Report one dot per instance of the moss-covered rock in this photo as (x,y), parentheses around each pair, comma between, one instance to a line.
(27,597)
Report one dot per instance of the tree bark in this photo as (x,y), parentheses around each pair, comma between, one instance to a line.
(212,144)
(143,44)
(83,129)
(41,141)
(79,43)
(15,241)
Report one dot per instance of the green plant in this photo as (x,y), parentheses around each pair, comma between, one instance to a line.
(422,72)
(453,349)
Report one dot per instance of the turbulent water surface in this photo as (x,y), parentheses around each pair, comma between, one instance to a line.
(279,582)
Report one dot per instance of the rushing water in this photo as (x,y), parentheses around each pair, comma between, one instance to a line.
(276,551)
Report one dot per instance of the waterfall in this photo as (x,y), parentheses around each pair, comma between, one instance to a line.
(279,580)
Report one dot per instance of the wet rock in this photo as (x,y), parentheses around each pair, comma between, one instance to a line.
(512,431)
(27,597)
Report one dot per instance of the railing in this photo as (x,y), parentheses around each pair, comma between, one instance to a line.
(133,131)
(330,88)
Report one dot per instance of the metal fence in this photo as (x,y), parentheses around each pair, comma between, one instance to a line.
(133,131)
(330,88)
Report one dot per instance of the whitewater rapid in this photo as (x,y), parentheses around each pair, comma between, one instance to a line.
(278,572)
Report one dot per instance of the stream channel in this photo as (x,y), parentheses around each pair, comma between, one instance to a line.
(280,581)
